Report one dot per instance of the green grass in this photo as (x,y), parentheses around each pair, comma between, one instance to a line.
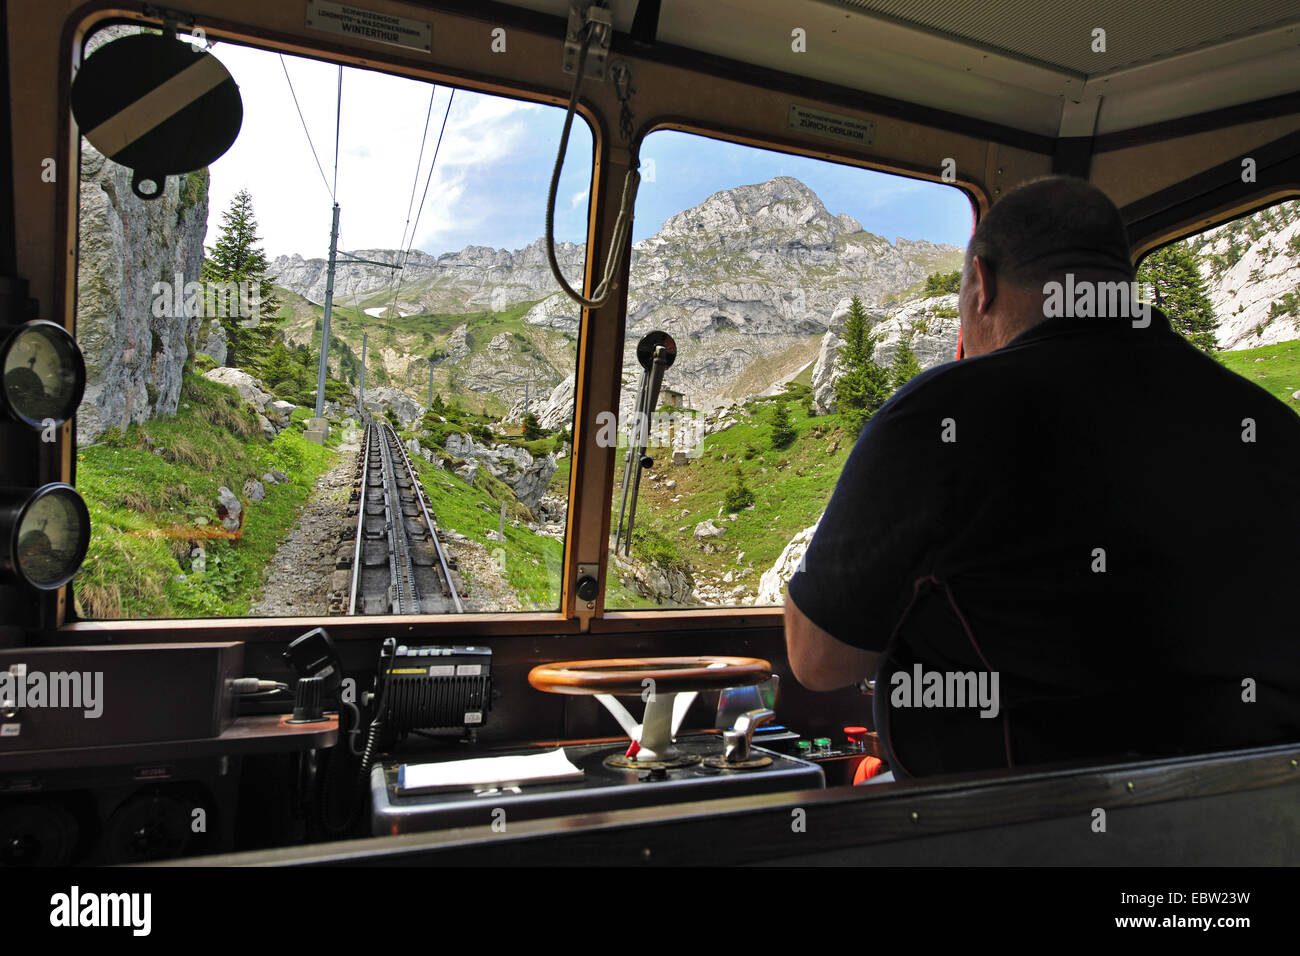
(150,490)
(790,495)
(1277,370)
(533,564)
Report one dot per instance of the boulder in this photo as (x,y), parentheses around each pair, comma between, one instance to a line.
(268,429)
(249,388)
(527,476)
(379,400)
(279,412)
(706,531)
(212,343)
(229,510)
(254,490)
(771,586)
(469,470)
(414,448)
(554,411)
(664,586)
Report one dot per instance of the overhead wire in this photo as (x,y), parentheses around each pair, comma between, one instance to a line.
(307,133)
(401,275)
(419,160)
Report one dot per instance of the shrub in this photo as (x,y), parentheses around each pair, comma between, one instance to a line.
(739,496)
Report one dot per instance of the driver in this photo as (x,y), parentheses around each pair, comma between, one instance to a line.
(1072,545)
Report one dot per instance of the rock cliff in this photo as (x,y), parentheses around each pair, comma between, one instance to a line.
(135,340)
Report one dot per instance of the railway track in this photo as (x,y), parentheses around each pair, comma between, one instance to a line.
(396,561)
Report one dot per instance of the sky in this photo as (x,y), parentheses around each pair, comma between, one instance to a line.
(493,168)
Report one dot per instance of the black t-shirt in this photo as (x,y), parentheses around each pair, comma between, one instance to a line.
(1102,515)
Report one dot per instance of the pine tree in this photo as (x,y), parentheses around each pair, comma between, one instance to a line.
(904,367)
(739,496)
(1179,292)
(532,427)
(863,386)
(237,257)
(783,433)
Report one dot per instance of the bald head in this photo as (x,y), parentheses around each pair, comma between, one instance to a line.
(1036,234)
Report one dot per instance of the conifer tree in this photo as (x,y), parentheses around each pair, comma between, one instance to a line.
(532,427)
(1179,292)
(904,367)
(238,257)
(783,433)
(863,386)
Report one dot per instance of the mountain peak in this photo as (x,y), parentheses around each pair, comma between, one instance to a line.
(780,203)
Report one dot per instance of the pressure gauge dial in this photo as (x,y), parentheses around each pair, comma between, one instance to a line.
(45,534)
(44,374)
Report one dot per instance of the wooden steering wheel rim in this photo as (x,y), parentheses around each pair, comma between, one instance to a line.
(671,675)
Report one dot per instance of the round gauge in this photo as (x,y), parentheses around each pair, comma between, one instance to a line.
(47,532)
(44,374)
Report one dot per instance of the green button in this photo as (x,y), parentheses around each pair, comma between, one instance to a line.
(823,743)
(804,746)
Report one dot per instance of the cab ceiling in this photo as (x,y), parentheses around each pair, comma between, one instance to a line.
(1033,65)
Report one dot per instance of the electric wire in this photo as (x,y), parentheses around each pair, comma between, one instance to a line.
(306,132)
(423,196)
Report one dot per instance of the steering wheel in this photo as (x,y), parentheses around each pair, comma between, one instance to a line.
(658,681)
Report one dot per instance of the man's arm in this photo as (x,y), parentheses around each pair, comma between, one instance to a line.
(819,661)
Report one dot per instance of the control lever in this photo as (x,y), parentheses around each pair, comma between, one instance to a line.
(738,741)
(656,352)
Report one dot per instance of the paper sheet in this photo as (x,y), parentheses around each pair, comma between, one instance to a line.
(547,767)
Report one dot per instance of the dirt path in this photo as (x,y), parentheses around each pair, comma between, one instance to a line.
(298,577)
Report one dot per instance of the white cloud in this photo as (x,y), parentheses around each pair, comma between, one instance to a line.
(383,117)
(580,197)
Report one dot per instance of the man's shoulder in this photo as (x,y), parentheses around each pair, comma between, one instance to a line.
(1062,365)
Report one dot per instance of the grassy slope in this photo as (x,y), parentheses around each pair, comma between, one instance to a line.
(532,563)
(146,508)
(789,496)
(1275,368)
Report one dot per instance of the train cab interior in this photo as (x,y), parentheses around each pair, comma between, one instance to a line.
(471,586)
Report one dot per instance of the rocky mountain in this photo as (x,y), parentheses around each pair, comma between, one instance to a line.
(1251,268)
(474,279)
(929,326)
(746,282)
